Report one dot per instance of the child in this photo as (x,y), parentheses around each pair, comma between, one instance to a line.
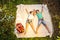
(29,20)
(40,20)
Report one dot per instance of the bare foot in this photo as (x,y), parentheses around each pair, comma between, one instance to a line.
(36,32)
(24,32)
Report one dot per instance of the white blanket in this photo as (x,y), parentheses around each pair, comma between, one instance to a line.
(21,17)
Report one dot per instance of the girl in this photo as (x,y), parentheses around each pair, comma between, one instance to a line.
(29,20)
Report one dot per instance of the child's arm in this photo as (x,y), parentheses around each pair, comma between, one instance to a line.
(27,11)
(42,10)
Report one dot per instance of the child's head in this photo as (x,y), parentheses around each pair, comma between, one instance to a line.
(34,12)
(30,12)
(37,11)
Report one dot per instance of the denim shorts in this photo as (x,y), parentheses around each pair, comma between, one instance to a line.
(29,21)
(41,21)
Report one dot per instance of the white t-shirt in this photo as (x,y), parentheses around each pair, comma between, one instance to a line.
(30,16)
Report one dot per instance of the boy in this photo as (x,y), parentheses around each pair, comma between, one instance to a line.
(40,20)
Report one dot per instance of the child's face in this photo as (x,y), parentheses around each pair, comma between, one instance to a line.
(31,12)
(34,12)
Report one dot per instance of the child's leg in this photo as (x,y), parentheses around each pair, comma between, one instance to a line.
(46,26)
(39,23)
(31,23)
(26,28)
(37,29)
